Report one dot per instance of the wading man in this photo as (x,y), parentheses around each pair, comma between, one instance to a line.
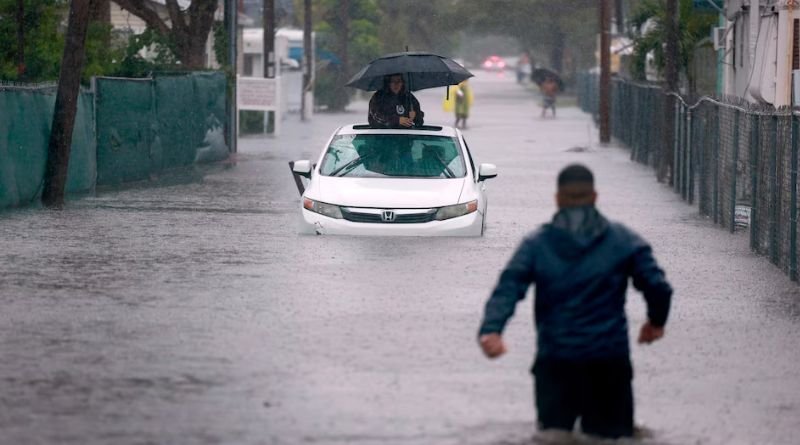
(580,264)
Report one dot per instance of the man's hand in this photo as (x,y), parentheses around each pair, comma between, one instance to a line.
(406,122)
(492,345)
(411,115)
(650,333)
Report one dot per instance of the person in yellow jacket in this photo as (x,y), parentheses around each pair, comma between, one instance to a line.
(459,100)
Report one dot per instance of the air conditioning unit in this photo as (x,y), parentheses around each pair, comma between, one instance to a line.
(718,36)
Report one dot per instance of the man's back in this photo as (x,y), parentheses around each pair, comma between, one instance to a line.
(580,289)
(580,264)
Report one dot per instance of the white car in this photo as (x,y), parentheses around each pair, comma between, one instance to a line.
(414,182)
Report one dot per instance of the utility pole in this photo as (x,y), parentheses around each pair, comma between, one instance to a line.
(307,61)
(268,52)
(671,73)
(619,15)
(69,84)
(231,20)
(269,39)
(344,51)
(605,72)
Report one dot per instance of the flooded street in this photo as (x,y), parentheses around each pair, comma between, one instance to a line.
(189,311)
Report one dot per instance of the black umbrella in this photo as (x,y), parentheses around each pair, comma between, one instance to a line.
(539,75)
(421,70)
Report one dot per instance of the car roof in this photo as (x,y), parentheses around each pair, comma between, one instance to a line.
(431,130)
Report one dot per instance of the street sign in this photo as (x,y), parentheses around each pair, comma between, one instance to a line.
(256,93)
(259,94)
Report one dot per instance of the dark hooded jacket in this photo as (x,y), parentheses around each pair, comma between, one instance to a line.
(580,263)
(386,108)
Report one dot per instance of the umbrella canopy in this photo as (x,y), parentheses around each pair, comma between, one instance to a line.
(421,70)
(539,75)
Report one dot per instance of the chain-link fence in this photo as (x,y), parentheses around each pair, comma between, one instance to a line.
(736,160)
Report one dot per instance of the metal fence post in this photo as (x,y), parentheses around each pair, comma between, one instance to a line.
(755,143)
(687,155)
(793,205)
(715,207)
(773,192)
(676,148)
(692,151)
(733,169)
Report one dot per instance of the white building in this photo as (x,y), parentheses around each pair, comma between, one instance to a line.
(761,49)
(288,50)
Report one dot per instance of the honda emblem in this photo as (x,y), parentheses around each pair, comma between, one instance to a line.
(387,216)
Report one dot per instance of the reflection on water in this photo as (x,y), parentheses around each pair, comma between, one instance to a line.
(524,433)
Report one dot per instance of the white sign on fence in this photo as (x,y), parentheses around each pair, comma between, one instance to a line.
(259,94)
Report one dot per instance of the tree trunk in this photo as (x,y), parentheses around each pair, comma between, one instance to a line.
(343,21)
(192,55)
(20,39)
(619,16)
(100,11)
(188,29)
(605,72)
(69,82)
(305,113)
(671,72)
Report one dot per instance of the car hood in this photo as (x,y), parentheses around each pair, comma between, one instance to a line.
(391,193)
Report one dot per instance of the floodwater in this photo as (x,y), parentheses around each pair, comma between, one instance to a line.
(188,311)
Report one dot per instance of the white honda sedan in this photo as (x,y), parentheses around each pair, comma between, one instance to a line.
(414,182)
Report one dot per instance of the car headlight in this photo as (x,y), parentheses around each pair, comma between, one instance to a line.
(457,210)
(329,210)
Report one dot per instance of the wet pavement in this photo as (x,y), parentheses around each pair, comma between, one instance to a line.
(189,311)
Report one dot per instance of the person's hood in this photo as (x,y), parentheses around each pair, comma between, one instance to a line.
(576,229)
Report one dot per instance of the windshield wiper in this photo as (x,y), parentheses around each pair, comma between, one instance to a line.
(448,173)
(345,169)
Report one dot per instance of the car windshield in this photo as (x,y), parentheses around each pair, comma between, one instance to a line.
(393,155)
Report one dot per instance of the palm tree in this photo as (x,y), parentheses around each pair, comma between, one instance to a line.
(648,32)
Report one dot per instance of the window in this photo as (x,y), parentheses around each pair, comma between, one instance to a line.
(248,64)
(393,155)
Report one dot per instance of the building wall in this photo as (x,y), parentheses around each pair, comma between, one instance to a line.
(759,49)
(124,20)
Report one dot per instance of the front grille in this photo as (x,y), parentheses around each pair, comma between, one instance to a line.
(361,217)
(413,218)
(353,215)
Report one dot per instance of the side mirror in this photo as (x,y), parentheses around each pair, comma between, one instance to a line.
(486,171)
(302,168)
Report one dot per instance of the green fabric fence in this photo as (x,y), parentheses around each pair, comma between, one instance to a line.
(126,130)
(146,126)
(26,116)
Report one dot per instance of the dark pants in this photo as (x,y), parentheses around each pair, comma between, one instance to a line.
(598,392)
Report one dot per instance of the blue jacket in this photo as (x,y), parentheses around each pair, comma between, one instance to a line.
(580,264)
